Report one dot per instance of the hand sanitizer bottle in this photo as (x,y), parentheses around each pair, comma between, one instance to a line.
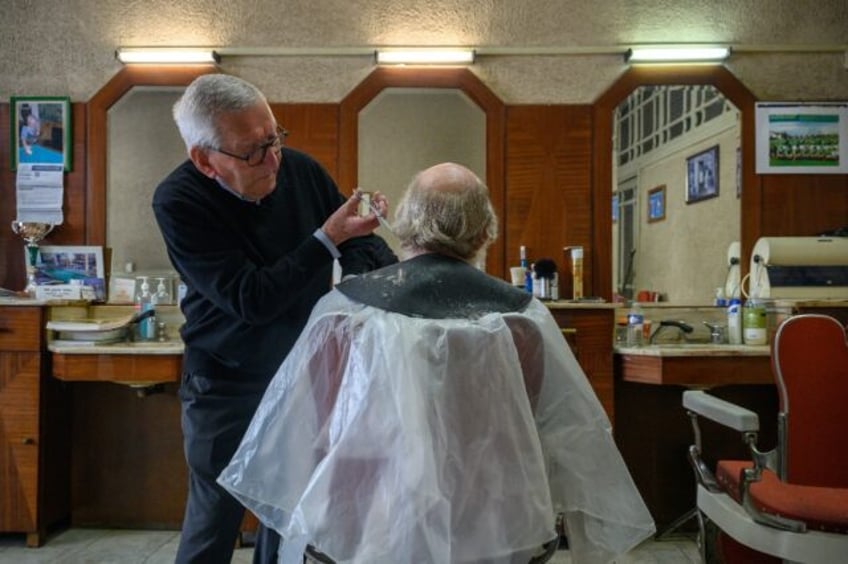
(144,302)
(161,296)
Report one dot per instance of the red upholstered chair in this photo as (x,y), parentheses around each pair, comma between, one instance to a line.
(791,502)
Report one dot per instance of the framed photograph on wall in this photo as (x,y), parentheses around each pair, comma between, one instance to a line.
(615,208)
(59,264)
(40,130)
(799,138)
(702,172)
(656,204)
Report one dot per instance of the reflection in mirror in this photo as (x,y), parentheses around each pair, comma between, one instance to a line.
(660,134)
(404,130)
(144,145)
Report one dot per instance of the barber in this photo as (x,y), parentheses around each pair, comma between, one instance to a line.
(252,227)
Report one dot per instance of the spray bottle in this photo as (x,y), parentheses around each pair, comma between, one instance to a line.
(577,271)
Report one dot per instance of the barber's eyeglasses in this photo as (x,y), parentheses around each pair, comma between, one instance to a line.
(257,156)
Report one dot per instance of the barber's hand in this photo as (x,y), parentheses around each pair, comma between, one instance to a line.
(346,223)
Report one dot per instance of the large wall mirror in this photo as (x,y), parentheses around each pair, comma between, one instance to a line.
(142,117)
(681,250)
(404,130)
(400,120)
(132,110)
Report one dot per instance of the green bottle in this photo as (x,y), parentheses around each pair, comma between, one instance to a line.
(754,322)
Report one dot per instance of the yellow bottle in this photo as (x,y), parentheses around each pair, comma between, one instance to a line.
(577,271)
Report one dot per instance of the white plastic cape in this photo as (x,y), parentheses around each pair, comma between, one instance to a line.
(385,438)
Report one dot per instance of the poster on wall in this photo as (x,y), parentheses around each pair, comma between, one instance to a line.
(41,131)
(801,138)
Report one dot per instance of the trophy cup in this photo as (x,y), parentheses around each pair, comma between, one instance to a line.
(32,233)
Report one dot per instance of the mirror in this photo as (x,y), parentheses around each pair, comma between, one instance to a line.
(141,116)
(97,128)
(457,86)
(404,130)
(604,171)
(675,178)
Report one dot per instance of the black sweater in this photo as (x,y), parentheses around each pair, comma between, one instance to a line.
(253,271)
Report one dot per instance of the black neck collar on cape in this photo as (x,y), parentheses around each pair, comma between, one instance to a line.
(435,287)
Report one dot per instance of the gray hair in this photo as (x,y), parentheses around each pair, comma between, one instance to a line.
(446,209)
(197,111)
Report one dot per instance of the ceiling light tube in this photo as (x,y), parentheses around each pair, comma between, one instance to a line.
(679,54)
(166,55)
(425,56)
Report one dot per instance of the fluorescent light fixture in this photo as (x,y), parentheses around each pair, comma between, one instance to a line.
(423,56)
(166,55)
(677,54)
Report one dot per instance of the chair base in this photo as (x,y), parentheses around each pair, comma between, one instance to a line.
(812,547)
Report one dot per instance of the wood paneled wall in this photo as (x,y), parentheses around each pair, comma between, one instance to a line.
(803,204)
(549,187)
(314,129)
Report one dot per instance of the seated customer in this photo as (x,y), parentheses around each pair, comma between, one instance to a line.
(432,413)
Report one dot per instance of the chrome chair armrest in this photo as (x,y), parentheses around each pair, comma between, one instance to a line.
(699,403)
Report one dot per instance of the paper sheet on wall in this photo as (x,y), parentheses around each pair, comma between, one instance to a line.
(40,190)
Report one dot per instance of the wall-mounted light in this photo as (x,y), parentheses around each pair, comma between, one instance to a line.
(676,54)
(166,55)
(423,56)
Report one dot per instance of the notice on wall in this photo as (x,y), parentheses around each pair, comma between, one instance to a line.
(40,190)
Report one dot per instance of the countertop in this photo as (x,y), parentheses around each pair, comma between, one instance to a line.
(170,347)
(693,349)
(579,304)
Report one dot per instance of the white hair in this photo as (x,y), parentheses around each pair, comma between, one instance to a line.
(197,111)
(446,209)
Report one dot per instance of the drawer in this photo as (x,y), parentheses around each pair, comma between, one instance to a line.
(20,328)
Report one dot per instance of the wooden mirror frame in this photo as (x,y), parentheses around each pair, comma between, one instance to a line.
(458,78)
(97,131)
(602,167)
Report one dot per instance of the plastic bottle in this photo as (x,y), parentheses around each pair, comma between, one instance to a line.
(528,274)
(720,300)
(734,322)
(143,303)
(182,289)
(635,322)
(577,271)
(162,296)
(754,322)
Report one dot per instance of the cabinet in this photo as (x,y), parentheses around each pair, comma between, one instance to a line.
(34,451)
(588,328)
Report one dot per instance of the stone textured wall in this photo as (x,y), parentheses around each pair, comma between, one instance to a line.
(66,47)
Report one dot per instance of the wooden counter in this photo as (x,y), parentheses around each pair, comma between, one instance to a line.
(695,366)
(654,433)
(588,328)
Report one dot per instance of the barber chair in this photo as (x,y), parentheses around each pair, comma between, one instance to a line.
(789,503)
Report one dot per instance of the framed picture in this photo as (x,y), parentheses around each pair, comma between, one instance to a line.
(59,264)
(795,138)
(702,175)
(40,131)
(615,208)
(656,204)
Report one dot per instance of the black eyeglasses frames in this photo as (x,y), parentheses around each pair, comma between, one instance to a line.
(257,156)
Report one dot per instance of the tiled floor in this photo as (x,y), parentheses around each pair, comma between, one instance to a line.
(96,546)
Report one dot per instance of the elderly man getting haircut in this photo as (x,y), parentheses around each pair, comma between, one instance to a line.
(432,413)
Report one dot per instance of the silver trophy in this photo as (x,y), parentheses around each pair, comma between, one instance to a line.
(31,232)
